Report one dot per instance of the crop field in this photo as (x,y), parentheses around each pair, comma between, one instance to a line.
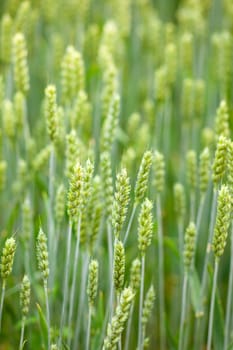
(116,174)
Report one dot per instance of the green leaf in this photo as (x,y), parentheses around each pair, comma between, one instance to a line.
(195,291)
(43,323)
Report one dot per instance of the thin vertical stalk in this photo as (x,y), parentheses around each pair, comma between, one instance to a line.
(127,338)
(22,334)
(139,347)
(50,211)
(181,243)
(183,310)
(130,223)
(88,328)
(229,296)
(66,280)
(2,301)
(81,299)
(47,310)
(161,273)
(74,278)
(199,323)
(211,318)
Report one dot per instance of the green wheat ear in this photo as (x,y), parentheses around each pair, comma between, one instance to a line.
(25,295)
(92,284)
(42,254)
(7,258)
(142,177)
(116,326)
(119,266)
(179,200)
(220,160)
(145,226)
(189,245)
(223,219)
(121,201)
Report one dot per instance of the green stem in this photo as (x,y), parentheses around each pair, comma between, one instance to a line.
(139,347)
(129,327)
(47,310)
(183,310)
(130,223)
(161,274)
(66,280)
(229,296)
(22,334)
(74,278)
(88,328)
(2,301)
(81,305)
(211,317)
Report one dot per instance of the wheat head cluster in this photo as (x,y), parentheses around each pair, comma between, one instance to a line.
(116,174)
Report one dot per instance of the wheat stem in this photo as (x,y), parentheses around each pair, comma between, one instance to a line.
(229,296)
(183,310)
(74,278)
(130,223)
(211,317)
(65,285)
(47,310)
(88,328)
(140,345)
(161,273)
(22,335)
(2,301)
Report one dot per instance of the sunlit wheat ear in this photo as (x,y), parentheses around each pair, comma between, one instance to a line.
(43,265)
(223,219)
(204,170)
(117,324)
(159,169)
(72,74)
(75,193)
(24,303)
(220,160)
(222,121)
(145,226)
(6,265)
(119,266)
(121,201)
(51,113)
(6,38)
(21,74)
(142,177)
(189,245)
